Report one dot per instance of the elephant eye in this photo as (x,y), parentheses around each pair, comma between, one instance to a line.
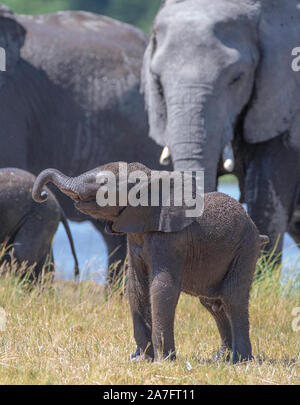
(236,79)
(158,84)
(154,75)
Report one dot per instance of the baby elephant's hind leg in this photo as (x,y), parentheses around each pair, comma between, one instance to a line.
(216,309)
(241,345)
(236,303)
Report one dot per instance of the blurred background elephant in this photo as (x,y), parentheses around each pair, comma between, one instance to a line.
(27,227)
(70,97)
(221,94)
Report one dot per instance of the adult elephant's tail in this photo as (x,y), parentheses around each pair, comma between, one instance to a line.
(71,241)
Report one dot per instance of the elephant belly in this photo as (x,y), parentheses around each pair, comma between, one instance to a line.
(204,273)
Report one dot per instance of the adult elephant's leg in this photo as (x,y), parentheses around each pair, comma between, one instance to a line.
(270,188)
(116,249)
(139,301)
(223,325)
(294,226)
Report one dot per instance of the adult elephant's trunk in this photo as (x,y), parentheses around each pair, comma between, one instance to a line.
(64,183)
(192,162)
(193,137)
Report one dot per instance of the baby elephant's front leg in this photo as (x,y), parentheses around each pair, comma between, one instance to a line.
(164,294)
(138,294)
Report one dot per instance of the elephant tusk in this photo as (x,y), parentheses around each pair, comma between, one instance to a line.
(228,158)
(165,157)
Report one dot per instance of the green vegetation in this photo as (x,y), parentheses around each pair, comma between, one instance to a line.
(67,333)
(36,6)
(136,12)
(228,178)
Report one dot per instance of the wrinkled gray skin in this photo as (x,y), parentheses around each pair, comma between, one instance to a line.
(220,71)
(70,97)
(212,257)
(26,226)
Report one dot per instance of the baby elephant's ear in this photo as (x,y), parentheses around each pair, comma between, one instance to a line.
(151,219)
(159,218)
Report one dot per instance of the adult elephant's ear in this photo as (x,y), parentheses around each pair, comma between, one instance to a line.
(12,36)
(275,100)
(154,95)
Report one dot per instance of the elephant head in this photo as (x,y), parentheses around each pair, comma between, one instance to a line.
(212,64)
(12,37)
(121,217)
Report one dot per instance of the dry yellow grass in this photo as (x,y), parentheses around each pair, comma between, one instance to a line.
(70,334)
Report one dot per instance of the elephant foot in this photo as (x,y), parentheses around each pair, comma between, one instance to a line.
(139,355)
(238,358)
(223,354)
(167,356)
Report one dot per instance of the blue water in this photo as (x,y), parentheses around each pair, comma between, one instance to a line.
(92,253)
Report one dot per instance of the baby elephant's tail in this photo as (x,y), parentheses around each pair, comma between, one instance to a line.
(264,239)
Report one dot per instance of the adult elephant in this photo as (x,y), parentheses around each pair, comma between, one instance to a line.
(69,97)
(219,84)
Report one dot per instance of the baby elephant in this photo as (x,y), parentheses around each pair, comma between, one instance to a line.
(212,257)
(26,226)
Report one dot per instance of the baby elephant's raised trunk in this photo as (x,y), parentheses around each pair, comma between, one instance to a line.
(47,176)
